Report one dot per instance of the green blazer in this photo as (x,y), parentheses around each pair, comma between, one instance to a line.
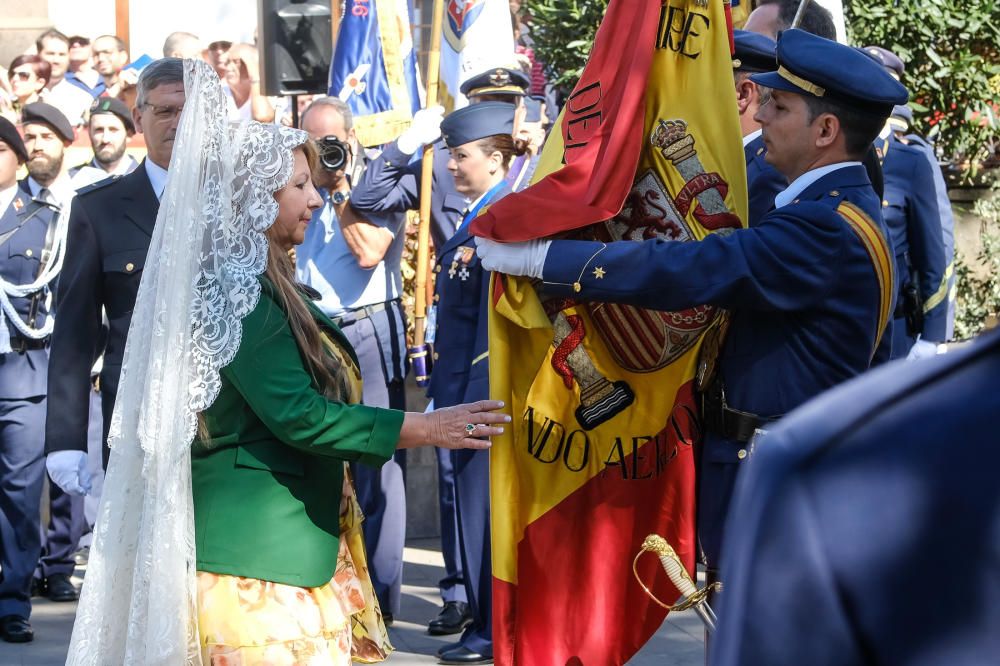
(267,488)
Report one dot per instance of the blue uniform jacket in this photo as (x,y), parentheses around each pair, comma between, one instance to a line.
(391,184)
(461,362)
(23,375)
(763,181)
(802,292)
(865,527)
(910,209)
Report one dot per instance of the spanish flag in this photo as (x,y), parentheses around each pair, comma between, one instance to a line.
(601,450)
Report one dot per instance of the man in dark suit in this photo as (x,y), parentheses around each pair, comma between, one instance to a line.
(864,529)
(25,238)
(110,227)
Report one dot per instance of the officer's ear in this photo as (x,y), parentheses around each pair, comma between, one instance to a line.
(828,130)
(746,93)
(496,161)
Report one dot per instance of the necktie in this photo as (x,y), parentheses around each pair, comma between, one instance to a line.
(45,194)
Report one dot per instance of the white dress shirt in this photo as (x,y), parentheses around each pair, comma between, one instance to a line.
(799,185)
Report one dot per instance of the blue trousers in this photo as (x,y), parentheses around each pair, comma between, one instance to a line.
(472,493)
(453,584)
(379,343)
(22,470)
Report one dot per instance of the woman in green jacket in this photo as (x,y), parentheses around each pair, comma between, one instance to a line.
(227,533)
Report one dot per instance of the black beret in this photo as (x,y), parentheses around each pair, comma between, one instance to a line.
(46,114)
(9,135)
(497,81)
(115,107)
(477,121)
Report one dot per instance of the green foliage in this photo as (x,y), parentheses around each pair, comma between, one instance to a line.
(978,301)
(952,53)
(564,31)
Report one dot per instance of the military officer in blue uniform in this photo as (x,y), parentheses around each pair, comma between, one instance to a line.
(27,235)
(810,288)
(864,529)
(901,122)
(754,54)
(390,184)
(479,138)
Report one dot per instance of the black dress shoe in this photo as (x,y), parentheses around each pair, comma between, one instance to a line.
(453,618)
(37,587)
(463,655)
(60,588)
(446,647)
(15,629)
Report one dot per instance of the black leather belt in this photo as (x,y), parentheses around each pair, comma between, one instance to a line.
(726,422)
(364,312)
(21,344)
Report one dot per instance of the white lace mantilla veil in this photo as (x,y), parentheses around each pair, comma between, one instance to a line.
(139,599)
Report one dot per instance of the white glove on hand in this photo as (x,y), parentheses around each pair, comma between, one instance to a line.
(68,470)
(424,128)
(526,258)
(922,349)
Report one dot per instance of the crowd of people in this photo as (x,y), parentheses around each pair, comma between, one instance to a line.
(315,377)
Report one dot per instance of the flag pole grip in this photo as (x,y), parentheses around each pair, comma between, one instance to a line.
(426,180)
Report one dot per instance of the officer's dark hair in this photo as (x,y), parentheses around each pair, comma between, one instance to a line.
(50,34)
(505,144)
(158,73)
(816,19)
(860,128)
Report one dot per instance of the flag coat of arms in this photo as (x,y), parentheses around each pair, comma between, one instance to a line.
(601,451)
(476,36)
(374,69)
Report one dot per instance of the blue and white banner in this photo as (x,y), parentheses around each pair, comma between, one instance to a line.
(374,68)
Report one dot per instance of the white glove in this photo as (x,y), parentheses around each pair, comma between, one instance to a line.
(922,349)
(424,128)
(526,258)
(68,470)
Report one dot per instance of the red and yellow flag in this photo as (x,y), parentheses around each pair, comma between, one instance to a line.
(601,450)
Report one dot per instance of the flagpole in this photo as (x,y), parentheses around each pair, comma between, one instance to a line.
(800,13)
(419,348)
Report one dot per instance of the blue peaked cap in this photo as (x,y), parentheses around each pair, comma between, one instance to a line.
(812,65)
(477,121)
(754,52)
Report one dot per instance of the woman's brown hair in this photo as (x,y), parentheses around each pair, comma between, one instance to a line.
(327,372)
(505,144)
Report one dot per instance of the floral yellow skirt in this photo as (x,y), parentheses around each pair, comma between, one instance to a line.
(250,622)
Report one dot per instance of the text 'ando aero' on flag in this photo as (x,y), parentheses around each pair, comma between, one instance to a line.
(601,450)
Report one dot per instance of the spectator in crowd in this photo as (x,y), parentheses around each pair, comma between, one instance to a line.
(772,16)
(81,72)
(110,57)
(28,75)
(182,45)
(109,127)
(242,86)
(53,47)
(217,55)
(25,221)
(354,264)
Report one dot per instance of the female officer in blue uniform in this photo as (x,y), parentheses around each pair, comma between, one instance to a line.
(479,138)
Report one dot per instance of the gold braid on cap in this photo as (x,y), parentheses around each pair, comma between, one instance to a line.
(812,88)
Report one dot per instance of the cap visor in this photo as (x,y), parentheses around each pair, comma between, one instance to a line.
(777,82)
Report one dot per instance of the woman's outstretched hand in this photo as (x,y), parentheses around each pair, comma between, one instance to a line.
(466,426)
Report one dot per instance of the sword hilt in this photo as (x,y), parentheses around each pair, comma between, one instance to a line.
(678,575)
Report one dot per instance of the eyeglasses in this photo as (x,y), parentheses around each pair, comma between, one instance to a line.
(164,112)
(21,75)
